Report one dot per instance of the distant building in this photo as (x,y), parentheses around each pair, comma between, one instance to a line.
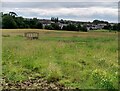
(95,26)
(62,25)
(45,22)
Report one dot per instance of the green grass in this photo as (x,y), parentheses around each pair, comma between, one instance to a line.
(77,60)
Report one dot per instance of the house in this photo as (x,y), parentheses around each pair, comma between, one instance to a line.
(45,22)
(95,26)
(62,25)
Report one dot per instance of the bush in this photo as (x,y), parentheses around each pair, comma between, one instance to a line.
(102,80)
(55,26)
(70,27)
(49,27)
(39,25)
(84,29)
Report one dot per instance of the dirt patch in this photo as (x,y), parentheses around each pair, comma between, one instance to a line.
(37,83)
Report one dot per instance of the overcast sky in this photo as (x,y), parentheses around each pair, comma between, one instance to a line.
(82,11)
(60,0)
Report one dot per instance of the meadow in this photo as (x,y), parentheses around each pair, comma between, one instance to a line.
(85,60)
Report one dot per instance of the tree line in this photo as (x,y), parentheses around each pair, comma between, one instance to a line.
(12,21)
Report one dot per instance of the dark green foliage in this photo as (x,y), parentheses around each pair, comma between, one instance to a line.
(20,22)
(11,21)
(72,27)
(62,21)
(55,26)
(8,22)
(108,26)
(12,14)
(118,26)
(54,19)
(98,22)
(32,22)
(115,27)
(39,25)
(83,29)
(79,27)
(49,27)
(64,28)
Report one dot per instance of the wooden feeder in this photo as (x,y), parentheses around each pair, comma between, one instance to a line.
(31,35)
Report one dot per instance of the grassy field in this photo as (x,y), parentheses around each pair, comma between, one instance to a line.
(73,59)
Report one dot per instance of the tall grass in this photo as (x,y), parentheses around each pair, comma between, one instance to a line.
(75,61)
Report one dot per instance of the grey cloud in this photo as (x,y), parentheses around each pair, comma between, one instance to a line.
(58,4)
(107,17)
(21,9)
(60,0)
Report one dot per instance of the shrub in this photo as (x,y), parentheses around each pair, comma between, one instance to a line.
(55,26)
(39,25)
(102,80)
(84,29)
(72,27)
(49,27)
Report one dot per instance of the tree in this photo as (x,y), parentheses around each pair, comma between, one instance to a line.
(84,29)
(79,27)
(32,22)
(49,27)
(55,26)
(8,22)
(72,27)
(98,21)
(62,21)
(12,14)
(54,19)
(64,28)
(118,26)
(20,22)
(108,27)
(39,25)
